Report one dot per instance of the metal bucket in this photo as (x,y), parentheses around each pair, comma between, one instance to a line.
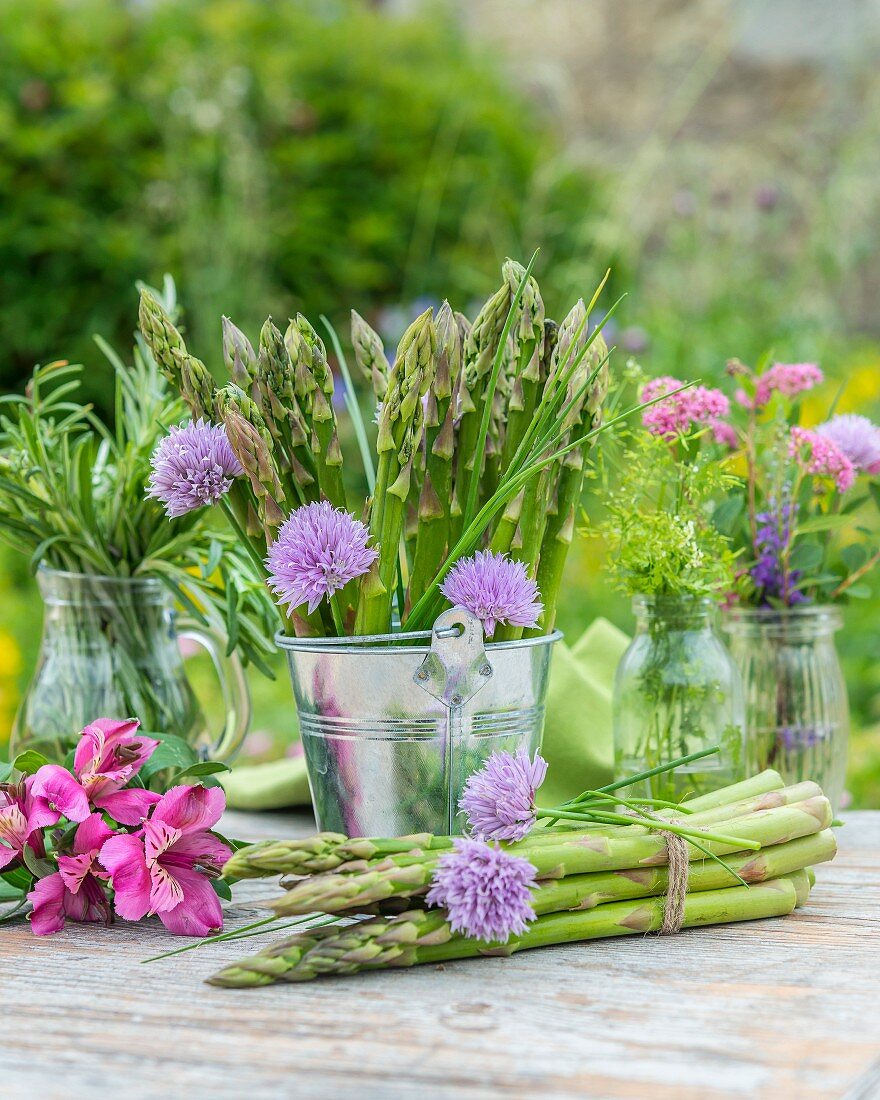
(392,728)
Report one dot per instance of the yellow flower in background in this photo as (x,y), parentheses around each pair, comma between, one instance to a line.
(10,668)
(861,394)
(863,385)
(10,656)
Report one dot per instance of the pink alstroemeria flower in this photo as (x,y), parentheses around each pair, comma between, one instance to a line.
(22,816)
(74,891)
(165,868)
(107,756)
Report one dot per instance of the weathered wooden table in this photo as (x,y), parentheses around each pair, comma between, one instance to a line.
(777,1008)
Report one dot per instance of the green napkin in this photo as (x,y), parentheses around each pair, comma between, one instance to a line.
(577,731)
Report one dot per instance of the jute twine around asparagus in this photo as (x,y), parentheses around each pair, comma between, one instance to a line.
(678,857)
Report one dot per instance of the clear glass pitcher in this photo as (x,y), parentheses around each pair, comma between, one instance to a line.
(110,648)
(677,691)
(797,714)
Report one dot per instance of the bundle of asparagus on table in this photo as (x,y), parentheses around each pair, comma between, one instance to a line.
(748,849)
(483,430)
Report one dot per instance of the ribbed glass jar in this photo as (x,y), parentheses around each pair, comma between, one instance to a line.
(110,649)
(677,691)
(797,714)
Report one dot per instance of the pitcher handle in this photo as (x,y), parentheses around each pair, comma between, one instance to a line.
(233,685)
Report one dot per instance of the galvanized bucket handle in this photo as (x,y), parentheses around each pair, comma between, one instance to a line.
(454,670)
(456,666)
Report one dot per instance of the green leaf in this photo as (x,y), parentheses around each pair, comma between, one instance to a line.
(215,555)
(859,591)
(6,770)
(66,837)
(874,489)
(29,762)
(232,626)
(727,513)
(204,767)
(173,752)
(38,867)
(854,556)
(820,580)
(830,522)
(807,557)
(15,910)
(854,503)
(9,892)
(221,889)
(20,880)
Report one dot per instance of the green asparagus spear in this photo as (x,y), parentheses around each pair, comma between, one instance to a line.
(238,355)
(424,936)
(274,391)
(313,385)
(252,444)
(369,354)
(559,530)
(435,499)
(187,374)
(401,425)
(580,853)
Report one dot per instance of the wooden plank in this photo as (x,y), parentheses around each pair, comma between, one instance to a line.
(781,1008)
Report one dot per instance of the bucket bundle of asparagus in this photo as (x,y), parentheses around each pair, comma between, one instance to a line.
(748,850)
(482,434)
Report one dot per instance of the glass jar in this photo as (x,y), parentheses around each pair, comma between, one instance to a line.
(677,691)
(110,649)
(797,715)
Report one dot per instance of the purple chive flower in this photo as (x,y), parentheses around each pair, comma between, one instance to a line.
(499,799)
(857,437)
(494,588)
(319,549)
(192,466)
(485,890)
(770,574)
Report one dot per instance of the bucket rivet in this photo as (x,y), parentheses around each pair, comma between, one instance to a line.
(421,674)
(457,700)
(486,670)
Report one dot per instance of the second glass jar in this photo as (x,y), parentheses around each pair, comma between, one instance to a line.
(677,691)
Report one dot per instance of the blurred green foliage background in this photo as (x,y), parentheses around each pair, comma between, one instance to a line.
(282,156)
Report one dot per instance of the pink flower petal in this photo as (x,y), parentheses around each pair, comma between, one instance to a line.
(200,912)
(73,869)
(128,807)
(158,838)
(47,899)
(197,848)
(7,855)
(53,902)
(123,856)
(56,788)
(89,903)
(35,809)
(91,834)
(190,808)
(116,729)
(14,829)
(99,740)
(99,761)
(166,893)
(89,749)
